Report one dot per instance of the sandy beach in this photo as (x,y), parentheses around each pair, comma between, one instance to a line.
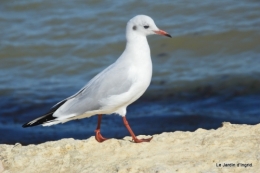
(231,148)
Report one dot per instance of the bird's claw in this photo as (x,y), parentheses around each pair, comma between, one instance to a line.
(136,140)
(99,137)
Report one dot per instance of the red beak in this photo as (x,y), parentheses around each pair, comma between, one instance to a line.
(161,32)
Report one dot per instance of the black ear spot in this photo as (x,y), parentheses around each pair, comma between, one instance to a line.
(134,27)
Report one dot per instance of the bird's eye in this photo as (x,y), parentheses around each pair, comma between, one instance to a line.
(146,26)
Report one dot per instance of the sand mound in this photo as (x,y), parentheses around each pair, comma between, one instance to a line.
(231,148)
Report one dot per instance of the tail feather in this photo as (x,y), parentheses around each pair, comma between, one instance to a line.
(48,117)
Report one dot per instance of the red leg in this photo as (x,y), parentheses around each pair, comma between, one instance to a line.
(98,136)
(132,133)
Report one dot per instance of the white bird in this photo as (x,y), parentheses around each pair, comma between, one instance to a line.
(116,87)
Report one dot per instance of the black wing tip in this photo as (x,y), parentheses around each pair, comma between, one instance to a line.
(29,125)
(39,121)
(25,125)
(43,119)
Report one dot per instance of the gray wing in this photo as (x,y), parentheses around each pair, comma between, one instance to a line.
(111,81)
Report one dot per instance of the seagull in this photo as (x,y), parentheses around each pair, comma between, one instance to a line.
(114,88)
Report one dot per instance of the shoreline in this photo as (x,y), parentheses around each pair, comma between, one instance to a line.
(230,148)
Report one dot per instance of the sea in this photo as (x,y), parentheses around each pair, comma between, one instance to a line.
(206,74)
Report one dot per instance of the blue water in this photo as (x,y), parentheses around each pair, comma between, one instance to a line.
(209,72)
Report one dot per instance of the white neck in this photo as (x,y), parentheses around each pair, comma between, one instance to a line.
(137,43)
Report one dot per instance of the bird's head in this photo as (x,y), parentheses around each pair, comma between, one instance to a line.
(144,25)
